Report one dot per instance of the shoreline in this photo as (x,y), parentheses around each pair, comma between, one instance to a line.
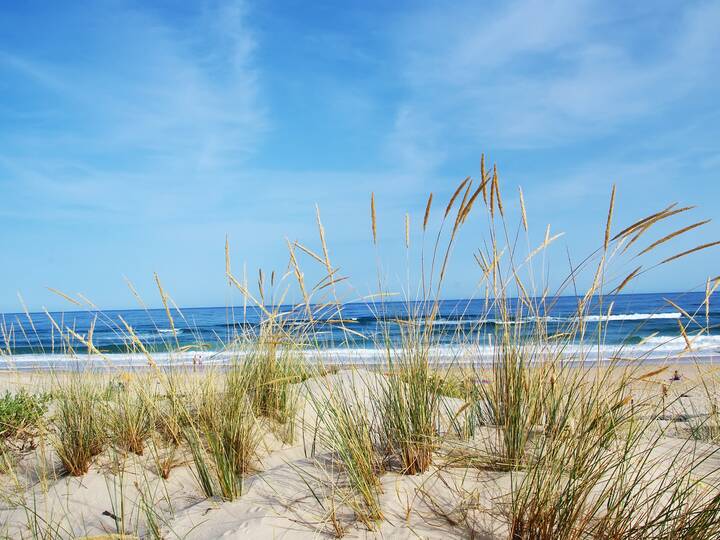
(440,357)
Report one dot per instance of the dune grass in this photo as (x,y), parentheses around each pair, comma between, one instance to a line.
(588,451)
(346,427)
(79,425)
(21,413)
(130,419)
(409,408)
(274,369)
(705,423)
(223,436)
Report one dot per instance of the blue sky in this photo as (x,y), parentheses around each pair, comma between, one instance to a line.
(135,135)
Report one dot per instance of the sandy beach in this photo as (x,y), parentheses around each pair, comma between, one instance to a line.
(299,489)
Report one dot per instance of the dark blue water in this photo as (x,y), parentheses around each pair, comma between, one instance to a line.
(639,320)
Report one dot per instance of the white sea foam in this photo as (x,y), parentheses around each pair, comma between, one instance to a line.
(160,333)
(703,348)
(632,316)
(655,347)
(587,318)
(678,343)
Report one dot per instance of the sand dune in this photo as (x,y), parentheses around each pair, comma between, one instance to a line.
(297,491)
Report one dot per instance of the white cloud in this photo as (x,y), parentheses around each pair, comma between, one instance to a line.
(538,74)
(460,43)
(149,113)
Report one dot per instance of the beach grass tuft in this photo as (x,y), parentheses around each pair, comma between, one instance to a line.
(79,425)
(130,420)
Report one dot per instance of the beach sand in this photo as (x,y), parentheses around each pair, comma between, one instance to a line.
(294,494)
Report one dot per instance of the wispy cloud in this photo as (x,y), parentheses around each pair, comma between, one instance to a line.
(148,110)
(540,74)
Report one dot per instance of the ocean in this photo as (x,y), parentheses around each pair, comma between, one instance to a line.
(638,325)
